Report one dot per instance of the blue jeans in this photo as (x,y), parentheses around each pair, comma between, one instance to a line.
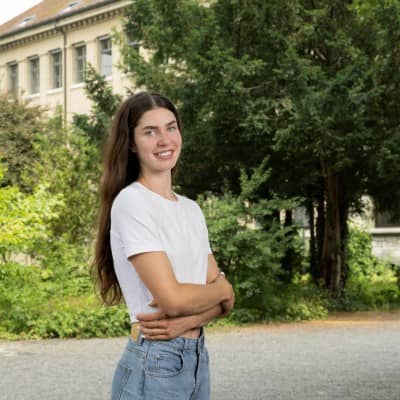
(175,369)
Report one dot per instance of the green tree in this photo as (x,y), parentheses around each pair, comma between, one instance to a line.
(19,125)
(104,103)
(25,220)
(306,82)
(71,169)
(339,118)
(211,63)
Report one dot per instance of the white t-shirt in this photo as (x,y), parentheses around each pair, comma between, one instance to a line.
(144,221)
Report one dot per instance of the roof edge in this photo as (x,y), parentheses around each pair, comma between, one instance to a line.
(60,17)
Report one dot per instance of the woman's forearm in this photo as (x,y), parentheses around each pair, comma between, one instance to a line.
(202,319)
(156,326)
(173,297)
(192,299)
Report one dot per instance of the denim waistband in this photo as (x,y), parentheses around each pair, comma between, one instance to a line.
(180,343)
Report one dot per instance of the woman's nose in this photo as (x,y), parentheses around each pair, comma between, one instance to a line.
(164,137)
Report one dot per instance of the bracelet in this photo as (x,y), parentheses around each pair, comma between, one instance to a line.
(221,272)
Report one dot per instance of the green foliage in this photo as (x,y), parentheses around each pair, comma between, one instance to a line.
(299,300)
(104,103)
(19,125)
(23,294)
(372,283)
(69,165)
(249,253)
(55,297)
(315,89)
(25,219)
(267,116)
(69,320)
(49,302)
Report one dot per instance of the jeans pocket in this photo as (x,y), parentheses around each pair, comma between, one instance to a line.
(129,375)
(164,361)
(119,381)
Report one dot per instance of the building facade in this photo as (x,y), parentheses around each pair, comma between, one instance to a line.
(44,51)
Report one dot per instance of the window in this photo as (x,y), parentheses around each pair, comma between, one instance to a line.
(34,75)
(105,56)
(384,219)
(56,69)
(131,41)
(26,20)
(70,6)
(80,63)
(13,78)
(300,217)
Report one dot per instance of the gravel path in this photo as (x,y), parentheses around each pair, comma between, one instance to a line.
(342,358)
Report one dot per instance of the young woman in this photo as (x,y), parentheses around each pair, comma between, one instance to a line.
(153,250)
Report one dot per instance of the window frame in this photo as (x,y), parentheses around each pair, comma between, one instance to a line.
(12,85)
(79,70)
(105,69)
(130,41)
(53,65)
(34,74)
(384,219)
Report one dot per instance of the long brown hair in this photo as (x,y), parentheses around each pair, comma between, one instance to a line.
(120,168)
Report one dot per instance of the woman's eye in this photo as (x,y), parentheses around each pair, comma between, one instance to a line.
(150,132)
(171,128)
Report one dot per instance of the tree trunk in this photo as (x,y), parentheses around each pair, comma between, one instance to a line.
(332,255)
(344,213)
(313,244)
(289,259)
(320,229)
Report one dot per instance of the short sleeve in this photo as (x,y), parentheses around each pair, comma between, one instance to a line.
(205,232)
(209,251)
(133,221)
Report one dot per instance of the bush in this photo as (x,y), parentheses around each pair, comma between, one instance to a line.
(70,166)
(24,295)
(69,320)
(371,283)
(25,219)
(20,123)
(36,302)
(252,254)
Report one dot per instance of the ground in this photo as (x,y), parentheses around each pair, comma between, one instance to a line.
(348,356)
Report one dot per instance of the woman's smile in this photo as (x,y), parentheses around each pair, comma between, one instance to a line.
(165,155)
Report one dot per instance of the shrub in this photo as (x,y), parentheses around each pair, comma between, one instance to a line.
(372,283)
(25,219)
(20,122)
(70,166)
(249,253)
(35,302)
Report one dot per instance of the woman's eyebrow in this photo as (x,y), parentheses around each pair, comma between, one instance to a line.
(149,127)
(155,127)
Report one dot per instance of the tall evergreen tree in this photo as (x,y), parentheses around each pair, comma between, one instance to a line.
(309,83)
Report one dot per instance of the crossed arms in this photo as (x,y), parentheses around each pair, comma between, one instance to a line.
(183,306)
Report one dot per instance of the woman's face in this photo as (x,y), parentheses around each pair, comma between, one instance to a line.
(158,141)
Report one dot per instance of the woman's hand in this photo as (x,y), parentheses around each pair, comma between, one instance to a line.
(157,326)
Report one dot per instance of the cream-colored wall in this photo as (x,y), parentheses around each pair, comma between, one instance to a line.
(21,54)
(77,102)
(75,94)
